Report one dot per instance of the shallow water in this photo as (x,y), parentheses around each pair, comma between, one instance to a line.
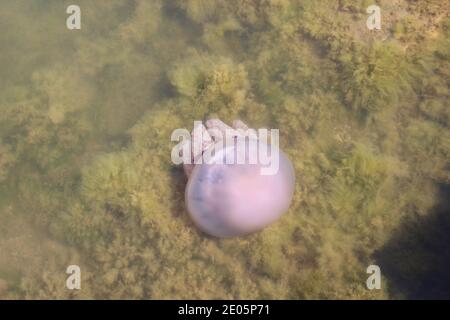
(86,176)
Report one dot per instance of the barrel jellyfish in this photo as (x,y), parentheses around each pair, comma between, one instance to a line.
(233,198)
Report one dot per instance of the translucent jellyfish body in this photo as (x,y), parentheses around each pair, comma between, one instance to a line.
(227,200)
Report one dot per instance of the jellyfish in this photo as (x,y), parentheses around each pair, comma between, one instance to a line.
(228,194)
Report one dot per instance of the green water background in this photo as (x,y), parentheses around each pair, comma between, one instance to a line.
(85,124)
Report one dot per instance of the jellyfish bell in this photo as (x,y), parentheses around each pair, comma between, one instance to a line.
(233,198)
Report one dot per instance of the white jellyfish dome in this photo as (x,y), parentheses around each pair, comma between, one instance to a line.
(227,200)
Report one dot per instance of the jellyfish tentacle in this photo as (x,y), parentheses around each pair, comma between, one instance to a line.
(244,129)
(218,128)
(200,141)
(187,167)
(238,124)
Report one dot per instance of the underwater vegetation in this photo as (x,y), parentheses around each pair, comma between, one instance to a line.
(86,117)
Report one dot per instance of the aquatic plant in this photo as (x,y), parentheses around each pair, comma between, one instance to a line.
(375,77)
(85,128)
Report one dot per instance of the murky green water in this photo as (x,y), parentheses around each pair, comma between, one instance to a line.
(85,122)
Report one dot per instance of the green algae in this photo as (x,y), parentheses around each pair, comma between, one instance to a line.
(85,124)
